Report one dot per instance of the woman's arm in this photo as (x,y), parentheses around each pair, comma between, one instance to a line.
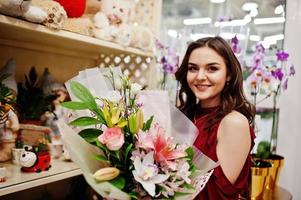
(233,144)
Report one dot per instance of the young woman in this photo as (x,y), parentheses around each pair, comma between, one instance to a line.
(211,95)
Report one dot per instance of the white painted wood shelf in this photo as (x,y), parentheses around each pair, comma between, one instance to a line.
(22,34)
(17,180)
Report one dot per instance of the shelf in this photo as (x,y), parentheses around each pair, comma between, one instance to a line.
(22,34)
(17,180)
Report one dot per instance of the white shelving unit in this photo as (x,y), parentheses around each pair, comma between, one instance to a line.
(17,180)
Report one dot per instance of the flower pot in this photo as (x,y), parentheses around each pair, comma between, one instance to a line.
(277,162)
(259,179)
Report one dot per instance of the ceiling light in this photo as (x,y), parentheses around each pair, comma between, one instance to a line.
(195,21)
(254,12)
(254,38)
(195,36)
(274,38)
(229,36)
(237,22)
(217,1)
(272,20)
(279,10)
(172,33)
(248,6)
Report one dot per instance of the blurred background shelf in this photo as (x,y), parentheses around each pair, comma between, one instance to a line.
(23,34)
(17,180)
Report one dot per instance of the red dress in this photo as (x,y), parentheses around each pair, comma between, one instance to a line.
(218,186)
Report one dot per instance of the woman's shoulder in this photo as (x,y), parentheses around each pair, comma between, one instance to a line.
(235,118)
(234,123)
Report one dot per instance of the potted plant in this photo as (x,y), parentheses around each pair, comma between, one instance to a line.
(31,101)
(270,81)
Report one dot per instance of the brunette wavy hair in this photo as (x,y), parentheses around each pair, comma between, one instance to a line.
(232,96)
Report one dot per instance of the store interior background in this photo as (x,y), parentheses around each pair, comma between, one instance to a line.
(175,34)
(274,37)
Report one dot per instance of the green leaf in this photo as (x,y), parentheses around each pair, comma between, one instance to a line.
(179,194)
(99,115)
(118,182)
(133,195)
(90,134)
(127,151)
(190,153)
(85,121)
(148,123)
(75,105)
(101,146)
(82,93)
(101,158)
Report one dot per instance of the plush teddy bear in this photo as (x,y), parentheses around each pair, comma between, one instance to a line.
(56,15)
(142,38)
(23,9)
(84,24)
(92,7)
(111,22)
(81,25)
(74,8)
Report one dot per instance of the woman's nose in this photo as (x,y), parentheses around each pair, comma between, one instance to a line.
(201,75)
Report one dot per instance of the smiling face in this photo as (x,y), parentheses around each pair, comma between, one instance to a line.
(207,76)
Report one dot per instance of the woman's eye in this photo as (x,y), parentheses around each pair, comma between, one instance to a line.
(192,68)
(212,69)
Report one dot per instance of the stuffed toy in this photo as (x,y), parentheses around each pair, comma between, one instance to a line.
(142,38)
(82,25)
(110,20)
(56,15)
(92,7)
(23,9)
(74,8)
(10,123)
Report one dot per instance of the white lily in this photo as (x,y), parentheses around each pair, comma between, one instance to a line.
(146,173)
(135,88)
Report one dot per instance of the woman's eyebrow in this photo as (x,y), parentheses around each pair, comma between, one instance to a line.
(213,63)
(192,64)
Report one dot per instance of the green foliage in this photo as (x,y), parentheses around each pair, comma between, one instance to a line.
(87,101)
(118,182)
(85,121)
(263,149)
(31,101)
(147,125)
(90,134)
(74,105)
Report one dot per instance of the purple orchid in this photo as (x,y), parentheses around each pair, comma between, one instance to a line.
(235,45)
(258,56)
(278,74)
(284,86)
(292,71)
(282,56)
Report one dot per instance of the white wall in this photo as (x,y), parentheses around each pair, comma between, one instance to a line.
(289,139)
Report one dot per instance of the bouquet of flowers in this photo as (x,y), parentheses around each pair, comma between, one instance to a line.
(133,158)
